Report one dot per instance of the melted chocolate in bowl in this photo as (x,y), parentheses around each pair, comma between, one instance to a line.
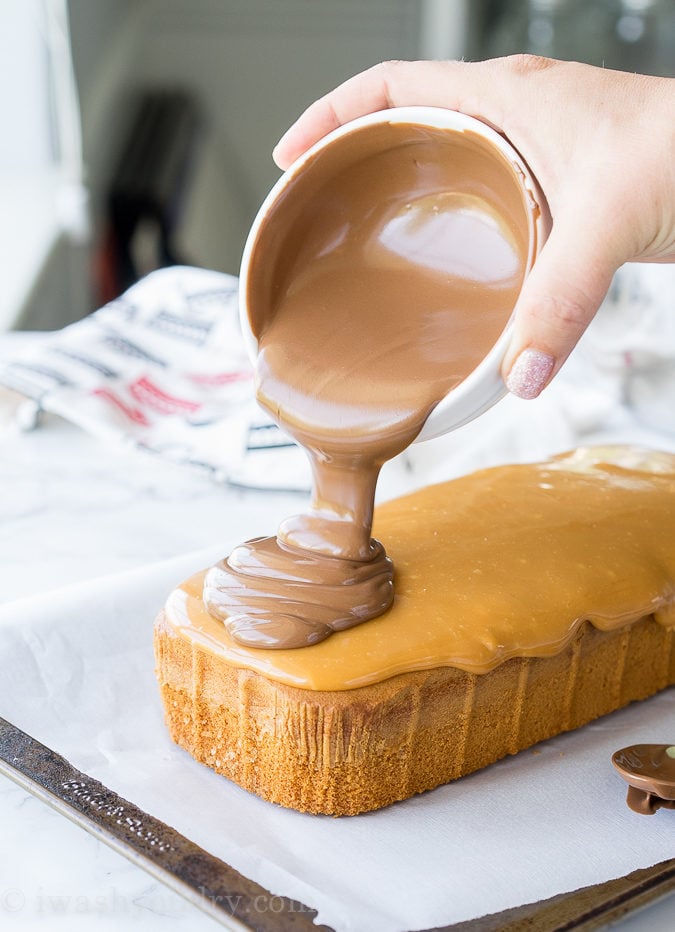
(385,272)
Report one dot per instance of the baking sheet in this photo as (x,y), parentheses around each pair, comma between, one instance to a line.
(239,903)
(78,676)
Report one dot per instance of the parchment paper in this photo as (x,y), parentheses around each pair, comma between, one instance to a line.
(77,674)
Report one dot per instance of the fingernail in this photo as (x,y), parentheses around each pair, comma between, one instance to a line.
(530,373)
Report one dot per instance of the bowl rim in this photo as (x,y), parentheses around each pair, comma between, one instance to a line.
(484,386)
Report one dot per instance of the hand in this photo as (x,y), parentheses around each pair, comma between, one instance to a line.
(602,146)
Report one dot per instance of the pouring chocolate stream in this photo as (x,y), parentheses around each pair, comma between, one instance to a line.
(384,273)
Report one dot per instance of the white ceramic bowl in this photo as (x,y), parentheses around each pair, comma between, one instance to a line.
(484,386)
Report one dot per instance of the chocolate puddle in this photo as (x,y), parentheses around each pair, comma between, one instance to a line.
(387,270)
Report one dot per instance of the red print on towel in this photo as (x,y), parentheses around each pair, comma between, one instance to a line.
(134,414)
(152,396)
(220,378)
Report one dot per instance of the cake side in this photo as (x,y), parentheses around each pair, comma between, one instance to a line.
(350,751)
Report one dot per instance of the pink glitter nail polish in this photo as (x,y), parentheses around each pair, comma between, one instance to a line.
(530,373)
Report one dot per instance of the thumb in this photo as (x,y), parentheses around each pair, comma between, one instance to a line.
(558,300)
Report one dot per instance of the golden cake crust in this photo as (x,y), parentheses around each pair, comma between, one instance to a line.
(529,600)
(350,751)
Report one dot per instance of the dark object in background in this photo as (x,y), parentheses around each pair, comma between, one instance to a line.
(148,189)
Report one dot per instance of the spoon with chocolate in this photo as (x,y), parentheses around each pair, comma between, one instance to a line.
(649,771)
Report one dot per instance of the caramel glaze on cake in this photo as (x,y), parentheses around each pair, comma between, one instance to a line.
(529,601)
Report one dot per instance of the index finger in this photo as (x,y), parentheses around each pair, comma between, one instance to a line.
(451,84)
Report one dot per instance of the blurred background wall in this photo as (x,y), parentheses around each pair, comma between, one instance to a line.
(162,114)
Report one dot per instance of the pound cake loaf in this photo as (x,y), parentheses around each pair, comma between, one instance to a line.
(529,600)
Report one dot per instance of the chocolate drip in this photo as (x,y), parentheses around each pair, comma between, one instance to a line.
(383,276)
(295,596)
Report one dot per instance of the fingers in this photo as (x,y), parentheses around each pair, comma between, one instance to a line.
(559,299)
(521,96)
(364,93)
(454,85)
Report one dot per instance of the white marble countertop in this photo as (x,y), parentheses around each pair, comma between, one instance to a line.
(72,509)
